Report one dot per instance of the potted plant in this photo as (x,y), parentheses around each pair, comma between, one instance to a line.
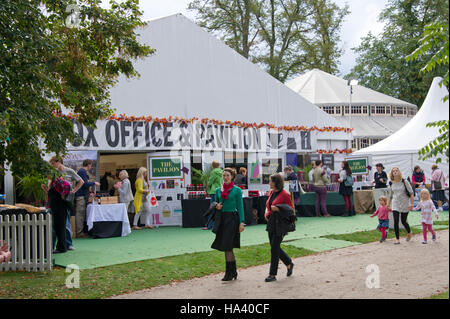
(29,188)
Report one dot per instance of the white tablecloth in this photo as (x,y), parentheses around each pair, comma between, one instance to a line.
(108,213)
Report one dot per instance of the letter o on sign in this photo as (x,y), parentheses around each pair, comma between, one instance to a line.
(153,201)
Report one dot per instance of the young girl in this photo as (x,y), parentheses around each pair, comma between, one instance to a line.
(383,217)
(427,208)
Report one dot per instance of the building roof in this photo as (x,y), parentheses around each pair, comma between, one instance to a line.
(193,74)
(415,135)
(373,126)
(322,88)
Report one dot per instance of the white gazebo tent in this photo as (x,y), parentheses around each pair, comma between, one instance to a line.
(330,92)
(401,149)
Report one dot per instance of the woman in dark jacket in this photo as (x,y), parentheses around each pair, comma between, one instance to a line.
(230,222)
(57,191)
(344,190)
(275,227)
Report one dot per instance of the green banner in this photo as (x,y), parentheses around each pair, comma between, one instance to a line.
(358,165)
(166,168)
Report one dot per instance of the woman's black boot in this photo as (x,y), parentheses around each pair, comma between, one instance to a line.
(228,271)
(234,270)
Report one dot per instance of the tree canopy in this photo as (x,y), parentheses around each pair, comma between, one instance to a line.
(285,37)
(53,60)
(381,63)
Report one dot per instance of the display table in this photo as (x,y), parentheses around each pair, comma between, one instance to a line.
(363,201)
(193,210)
(107,220)
(335,204)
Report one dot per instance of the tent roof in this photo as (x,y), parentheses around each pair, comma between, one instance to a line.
(373,126)
(322,88)
(193,74)
(415,135)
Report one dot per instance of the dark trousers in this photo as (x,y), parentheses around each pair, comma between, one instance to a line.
(59,225)
(404,218)
(277,253)
(321,199)
(348,203)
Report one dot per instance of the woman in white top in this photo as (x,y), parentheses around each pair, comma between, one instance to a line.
(125,192)
(402,200)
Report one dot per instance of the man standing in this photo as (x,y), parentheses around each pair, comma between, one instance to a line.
(76,182)
(82,197)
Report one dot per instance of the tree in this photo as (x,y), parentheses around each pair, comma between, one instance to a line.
(381,63)
(285,37)
(436,39)
(230,20)
(49,64)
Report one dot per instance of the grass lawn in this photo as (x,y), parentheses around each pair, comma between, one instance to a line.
(124,278)
(443,295)
(371,236)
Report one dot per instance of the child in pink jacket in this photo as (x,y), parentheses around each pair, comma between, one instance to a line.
(383,217)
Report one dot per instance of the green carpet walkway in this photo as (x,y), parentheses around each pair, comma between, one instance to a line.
(170,241)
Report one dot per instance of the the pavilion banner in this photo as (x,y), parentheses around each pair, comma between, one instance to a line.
(111,135)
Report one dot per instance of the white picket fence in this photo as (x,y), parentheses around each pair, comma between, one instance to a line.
(31,247)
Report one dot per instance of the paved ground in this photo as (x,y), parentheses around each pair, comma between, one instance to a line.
(408,270)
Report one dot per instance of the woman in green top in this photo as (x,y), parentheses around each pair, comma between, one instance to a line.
(231,222)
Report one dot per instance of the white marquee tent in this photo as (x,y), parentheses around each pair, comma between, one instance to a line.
(326,90)
(401,149)
(193,74)
(322,88)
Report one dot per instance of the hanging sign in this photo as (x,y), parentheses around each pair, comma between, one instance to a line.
(166,167)
(117,135)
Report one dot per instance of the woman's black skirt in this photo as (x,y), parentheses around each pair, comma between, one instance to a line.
(345,190)
(439,195)
(228,236)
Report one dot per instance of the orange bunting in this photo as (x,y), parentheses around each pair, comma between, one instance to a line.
(123,117)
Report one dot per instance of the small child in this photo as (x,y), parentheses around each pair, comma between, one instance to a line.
(383,217)
(427,208)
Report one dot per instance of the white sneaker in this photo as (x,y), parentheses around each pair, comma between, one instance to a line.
(440,209)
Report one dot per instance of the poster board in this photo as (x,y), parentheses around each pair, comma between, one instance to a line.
(328,161)
(74,160)
(270,166)
(167,181)
(359,164)
(166,167)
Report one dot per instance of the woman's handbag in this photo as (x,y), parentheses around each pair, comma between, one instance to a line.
(349,181)
(437,185)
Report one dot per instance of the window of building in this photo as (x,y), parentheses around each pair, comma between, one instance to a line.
(375,140)
(338,110)
(328,109)
(364,142)
(346,109)
(365,109)
(355,143)
(399,110)
(356,109)
(380,109)
(412,111)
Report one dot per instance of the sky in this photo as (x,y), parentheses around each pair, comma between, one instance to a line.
(363,18)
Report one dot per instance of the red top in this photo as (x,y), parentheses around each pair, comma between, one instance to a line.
(382,212)
(283,198)
(414,179)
